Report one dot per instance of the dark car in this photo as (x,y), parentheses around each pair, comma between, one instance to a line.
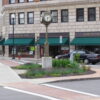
(85,56)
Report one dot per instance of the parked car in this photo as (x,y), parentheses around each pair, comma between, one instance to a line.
(85,56)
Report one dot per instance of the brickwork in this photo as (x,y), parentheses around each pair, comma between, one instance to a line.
(52,92)
(6,2)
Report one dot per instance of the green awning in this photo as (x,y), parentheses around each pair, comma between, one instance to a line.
(54,41)
(2,41)
(20,41)
(86,41)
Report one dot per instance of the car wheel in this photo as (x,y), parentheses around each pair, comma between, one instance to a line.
(86,61)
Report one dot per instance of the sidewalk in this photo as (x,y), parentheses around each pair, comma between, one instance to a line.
(8,75)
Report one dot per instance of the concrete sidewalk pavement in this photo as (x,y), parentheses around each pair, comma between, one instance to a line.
(7,75)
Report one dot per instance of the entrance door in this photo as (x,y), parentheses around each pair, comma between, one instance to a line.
(54,50)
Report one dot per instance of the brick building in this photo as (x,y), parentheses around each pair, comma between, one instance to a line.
(75,22)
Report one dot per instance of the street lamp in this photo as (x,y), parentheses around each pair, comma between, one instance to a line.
(46,20)
(37,49)
(13,23)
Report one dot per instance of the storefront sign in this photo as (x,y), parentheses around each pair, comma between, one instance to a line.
(32,48)
(60,40)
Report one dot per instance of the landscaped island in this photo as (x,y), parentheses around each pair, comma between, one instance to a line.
(62,67)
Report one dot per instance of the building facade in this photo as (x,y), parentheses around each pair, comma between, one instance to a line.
(75,24)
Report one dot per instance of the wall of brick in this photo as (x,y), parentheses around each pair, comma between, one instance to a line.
(6,2)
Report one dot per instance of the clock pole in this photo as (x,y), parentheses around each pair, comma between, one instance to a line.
(46,60)
(46,20)
(46,45)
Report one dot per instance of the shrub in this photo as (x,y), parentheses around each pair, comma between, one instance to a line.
(77,57)
(64,63)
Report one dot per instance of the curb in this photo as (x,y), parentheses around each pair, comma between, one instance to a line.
(69,80)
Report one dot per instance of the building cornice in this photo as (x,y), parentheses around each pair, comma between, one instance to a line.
(47,4)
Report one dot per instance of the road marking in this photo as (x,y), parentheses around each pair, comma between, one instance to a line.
(31,93)
(53,86)
(19,62)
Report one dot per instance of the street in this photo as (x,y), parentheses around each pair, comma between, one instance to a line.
(6,94)
(91,87)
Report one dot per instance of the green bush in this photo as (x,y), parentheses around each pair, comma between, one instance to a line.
(64,63)
(60,63)
(77,57)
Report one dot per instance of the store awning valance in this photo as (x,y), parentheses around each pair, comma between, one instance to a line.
(86,41)
(54,41)
(2,41)
(20,41)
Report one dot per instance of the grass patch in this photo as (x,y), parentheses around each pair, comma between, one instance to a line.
(28,66)
(55,72)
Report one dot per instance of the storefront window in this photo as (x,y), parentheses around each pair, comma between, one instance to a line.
(24,51)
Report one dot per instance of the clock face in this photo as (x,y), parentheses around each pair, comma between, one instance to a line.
(47,18)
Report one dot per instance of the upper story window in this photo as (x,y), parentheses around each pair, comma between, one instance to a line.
(30,17)
(21,18)
(54,14)
(80,14)
(92,14)
(43,0)
(20,1)
(42,13)
(30,0)
(64,15)
(12,1)
(12,18)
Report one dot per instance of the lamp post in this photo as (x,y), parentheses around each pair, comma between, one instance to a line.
(37,49)
(46,20)
(13,23)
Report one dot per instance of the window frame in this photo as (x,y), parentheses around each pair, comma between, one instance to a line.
(28,18)
(30,1)
(93,14)
(54,16)
(78,14)
(63,16)
(20,1)
(19,19)
(11,2)
(10,19)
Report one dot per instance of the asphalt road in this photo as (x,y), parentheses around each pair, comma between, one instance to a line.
(87,86)
(6,94)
